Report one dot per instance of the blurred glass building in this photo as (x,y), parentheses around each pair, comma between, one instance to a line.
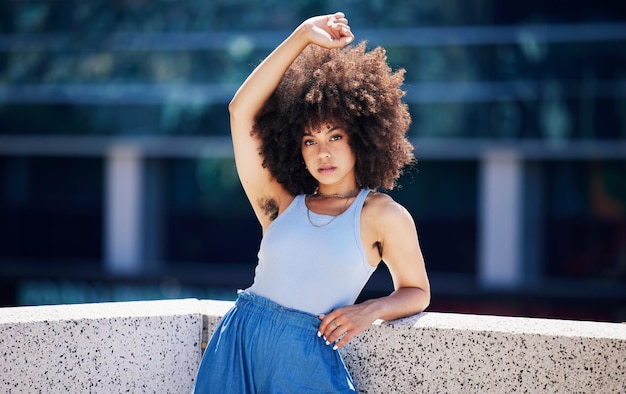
(117,180)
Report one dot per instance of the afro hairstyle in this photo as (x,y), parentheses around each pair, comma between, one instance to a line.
(351,87)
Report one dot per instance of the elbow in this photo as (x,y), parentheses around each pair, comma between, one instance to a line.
(416,301)
(235,112)
(426,297)
(422,299)
(232,107)
(240,114)
(425,301)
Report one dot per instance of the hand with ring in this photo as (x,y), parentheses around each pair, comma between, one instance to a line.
(342,324)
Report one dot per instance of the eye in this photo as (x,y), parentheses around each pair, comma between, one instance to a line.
(336,137)
(308,142)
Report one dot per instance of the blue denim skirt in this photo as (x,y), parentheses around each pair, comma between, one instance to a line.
(260,346)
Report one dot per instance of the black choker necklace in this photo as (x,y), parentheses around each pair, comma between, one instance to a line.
(317,193)
(350,194)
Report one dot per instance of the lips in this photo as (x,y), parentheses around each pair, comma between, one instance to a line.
(325,169)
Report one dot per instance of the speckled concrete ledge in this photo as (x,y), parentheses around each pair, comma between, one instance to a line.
(135,347)
(453,353)
(156,346)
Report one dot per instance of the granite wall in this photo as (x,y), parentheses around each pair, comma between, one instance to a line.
(155,347)
(134,347)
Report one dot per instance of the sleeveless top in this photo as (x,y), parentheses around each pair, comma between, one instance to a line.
(309,268)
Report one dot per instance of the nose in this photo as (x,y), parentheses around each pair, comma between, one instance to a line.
(323,152)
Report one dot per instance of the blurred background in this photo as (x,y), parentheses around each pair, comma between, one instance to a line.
(117,180)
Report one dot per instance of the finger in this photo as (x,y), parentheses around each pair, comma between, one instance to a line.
(328,326)
(348,38)
(337,21)
(341,39)
(335,331)
(344,31)
(325,321)
(332,20)
(337,24)
(320,327)
(338,30)
(343,341)
(341,42)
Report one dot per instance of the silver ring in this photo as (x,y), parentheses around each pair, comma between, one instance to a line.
(334,324)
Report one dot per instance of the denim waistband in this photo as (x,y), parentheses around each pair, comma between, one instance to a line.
(270,309)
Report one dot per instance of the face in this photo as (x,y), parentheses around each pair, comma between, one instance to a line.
(328,156)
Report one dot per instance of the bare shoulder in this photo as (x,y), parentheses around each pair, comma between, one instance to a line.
(384,207)
(385,212)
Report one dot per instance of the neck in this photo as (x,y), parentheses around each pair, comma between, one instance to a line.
(348,194)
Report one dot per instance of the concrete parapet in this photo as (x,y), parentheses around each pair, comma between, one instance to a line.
(453,353)
(156,346)
(134,347)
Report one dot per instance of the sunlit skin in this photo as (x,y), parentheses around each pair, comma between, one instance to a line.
(329,159)
(388,232)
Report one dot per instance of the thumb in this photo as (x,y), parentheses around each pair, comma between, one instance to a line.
(344,40)
(321,316)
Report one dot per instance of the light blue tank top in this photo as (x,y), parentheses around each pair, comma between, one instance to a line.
(309,268)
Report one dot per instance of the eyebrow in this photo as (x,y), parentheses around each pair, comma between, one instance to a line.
(327,131)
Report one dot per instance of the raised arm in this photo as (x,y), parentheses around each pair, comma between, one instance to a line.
(328,31)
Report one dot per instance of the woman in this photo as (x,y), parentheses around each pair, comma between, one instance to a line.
(317,128)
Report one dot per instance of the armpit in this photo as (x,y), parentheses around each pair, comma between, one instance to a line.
(379,246)
(270,207)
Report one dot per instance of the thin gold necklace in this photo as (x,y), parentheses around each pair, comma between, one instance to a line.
(317,193)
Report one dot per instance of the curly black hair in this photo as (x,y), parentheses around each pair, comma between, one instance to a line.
(351,87)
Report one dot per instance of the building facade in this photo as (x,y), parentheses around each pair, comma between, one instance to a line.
(117,179)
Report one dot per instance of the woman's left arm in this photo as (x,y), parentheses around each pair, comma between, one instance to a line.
(402,254)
